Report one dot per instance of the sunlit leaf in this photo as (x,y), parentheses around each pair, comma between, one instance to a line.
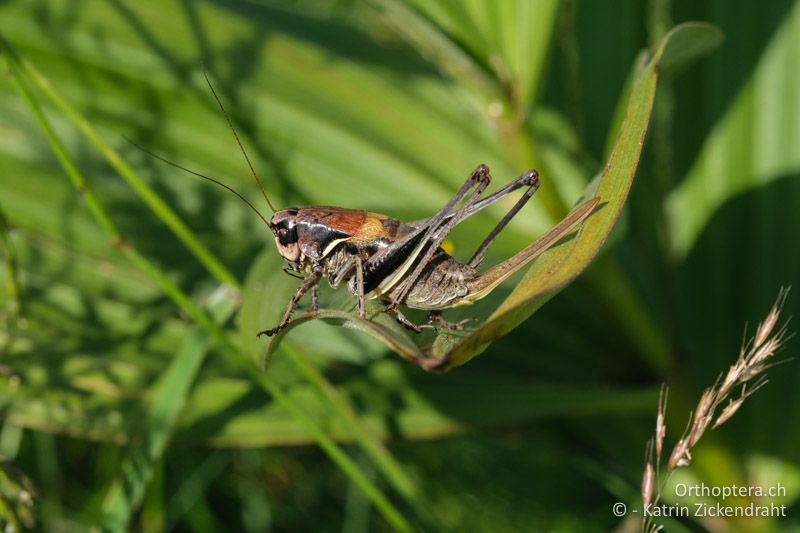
(751,145)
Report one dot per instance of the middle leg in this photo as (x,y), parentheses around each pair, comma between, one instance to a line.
(362,305)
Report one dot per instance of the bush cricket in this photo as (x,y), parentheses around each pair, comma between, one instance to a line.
(399,263)
(403,263)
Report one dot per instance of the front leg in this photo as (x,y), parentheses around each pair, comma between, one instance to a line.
(308,283)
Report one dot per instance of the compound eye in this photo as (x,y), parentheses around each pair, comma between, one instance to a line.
(286,235)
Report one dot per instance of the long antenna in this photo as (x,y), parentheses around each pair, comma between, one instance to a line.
(190,171)
(238,141)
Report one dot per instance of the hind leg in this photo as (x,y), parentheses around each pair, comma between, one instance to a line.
(437,234)
(401,318)
(436,321)
(532,178)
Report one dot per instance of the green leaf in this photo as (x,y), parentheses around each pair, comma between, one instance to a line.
(510,40)
(750,145)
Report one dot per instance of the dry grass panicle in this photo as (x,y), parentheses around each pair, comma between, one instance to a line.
(746,375)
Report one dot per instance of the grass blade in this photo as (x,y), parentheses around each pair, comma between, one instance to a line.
(125,493)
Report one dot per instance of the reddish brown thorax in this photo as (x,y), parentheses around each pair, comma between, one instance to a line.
(309,234)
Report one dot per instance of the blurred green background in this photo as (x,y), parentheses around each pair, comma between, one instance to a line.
(114,413)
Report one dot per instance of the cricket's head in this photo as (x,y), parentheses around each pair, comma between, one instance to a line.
(284,227)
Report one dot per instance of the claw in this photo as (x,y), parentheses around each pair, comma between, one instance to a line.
(271,332)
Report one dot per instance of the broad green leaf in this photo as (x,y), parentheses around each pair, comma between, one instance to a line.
(509,39)
(752,144)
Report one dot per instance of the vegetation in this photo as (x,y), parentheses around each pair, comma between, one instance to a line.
(132,392)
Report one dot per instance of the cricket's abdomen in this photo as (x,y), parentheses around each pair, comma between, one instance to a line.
(444,283)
